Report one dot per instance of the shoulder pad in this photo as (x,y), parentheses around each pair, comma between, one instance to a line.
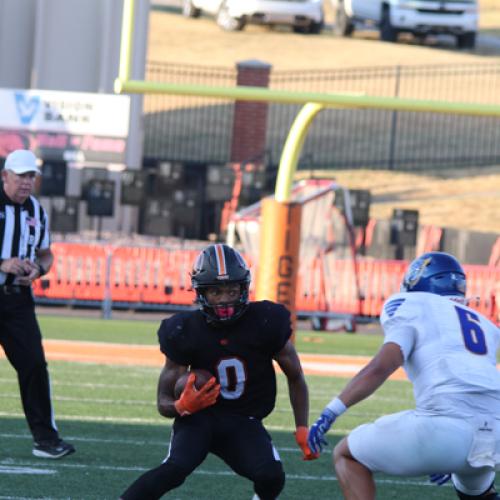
(404,304)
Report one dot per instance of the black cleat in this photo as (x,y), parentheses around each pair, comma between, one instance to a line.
(53,449)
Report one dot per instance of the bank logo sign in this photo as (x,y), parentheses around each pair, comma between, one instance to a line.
(79,113)
(27,107)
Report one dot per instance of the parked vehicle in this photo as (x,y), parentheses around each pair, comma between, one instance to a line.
(304,16)
(420,17)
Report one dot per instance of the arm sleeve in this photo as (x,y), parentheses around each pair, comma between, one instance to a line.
(402,334)
(398,319)
(280,327)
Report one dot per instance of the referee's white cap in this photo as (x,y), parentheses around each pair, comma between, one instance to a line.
(21,161)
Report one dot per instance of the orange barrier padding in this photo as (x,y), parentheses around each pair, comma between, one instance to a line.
(151,275)
(279,253)
(78,272)
(182,264)
(429,239)
(483,289)
(495,254)
(379,280)
(310,293)
(322,284)
(135,271)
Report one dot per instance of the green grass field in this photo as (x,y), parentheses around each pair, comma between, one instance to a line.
(109,413)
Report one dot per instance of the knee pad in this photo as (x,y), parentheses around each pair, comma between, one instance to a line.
(269,482)
(153,484)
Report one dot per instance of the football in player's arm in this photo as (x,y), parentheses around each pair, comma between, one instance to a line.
(448,351)
(237,341)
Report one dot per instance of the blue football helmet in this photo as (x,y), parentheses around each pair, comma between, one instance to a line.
(220,265)
(435,272)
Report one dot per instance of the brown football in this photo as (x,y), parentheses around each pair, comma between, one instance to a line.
(202,377)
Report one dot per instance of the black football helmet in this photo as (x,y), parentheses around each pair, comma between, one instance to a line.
(220,265)
(435,272)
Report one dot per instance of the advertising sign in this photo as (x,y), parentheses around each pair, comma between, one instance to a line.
(72,126)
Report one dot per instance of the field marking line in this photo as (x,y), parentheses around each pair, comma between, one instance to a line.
(298,477)
(10,469)
(139,442)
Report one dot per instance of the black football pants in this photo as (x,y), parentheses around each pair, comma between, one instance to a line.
(242,442)
(21,340)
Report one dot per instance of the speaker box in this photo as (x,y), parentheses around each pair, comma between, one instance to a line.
(89,175)
(253,186)
(220,182)
(167,175)
(255,179)
(187,205)
(133,186)
(64,215)
(54,175)
(157,217)
(404,227)
(100,198)
(360,200)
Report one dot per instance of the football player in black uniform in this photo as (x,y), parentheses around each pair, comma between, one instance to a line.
(237,341)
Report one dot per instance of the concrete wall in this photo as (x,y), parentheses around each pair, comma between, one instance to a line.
(17,41)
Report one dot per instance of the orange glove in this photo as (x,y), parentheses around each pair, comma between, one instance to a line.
(301,438)
(193,400)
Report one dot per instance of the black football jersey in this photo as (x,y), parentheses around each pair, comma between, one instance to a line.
(240,355)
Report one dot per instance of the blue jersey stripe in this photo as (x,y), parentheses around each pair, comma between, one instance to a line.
(392,306)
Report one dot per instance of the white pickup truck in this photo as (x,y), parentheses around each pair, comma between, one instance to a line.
(304,16)
(420,17)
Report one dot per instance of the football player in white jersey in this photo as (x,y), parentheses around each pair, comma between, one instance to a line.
(448,351)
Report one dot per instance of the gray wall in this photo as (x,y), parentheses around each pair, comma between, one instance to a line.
(17,40)
(69,45)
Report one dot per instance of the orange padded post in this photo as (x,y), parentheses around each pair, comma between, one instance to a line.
(279,253)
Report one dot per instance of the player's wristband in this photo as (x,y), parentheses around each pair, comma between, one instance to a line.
(336,406)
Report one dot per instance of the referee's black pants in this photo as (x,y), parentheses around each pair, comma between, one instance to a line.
(21,340)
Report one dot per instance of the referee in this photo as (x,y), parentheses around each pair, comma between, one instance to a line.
(25,255)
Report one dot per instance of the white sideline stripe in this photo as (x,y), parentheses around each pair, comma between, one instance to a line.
(14,382)
(298,477)
(125,402)
(156,421)
(351,369)
(338,430)
(9,469)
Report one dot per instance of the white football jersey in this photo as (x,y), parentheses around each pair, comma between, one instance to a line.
(449,353)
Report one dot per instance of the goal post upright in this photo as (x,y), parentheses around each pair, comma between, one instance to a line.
(127,36)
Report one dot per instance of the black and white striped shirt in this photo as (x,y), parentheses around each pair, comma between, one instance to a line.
(23,230)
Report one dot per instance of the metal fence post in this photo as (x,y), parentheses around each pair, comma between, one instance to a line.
(394,121)
(107,303)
